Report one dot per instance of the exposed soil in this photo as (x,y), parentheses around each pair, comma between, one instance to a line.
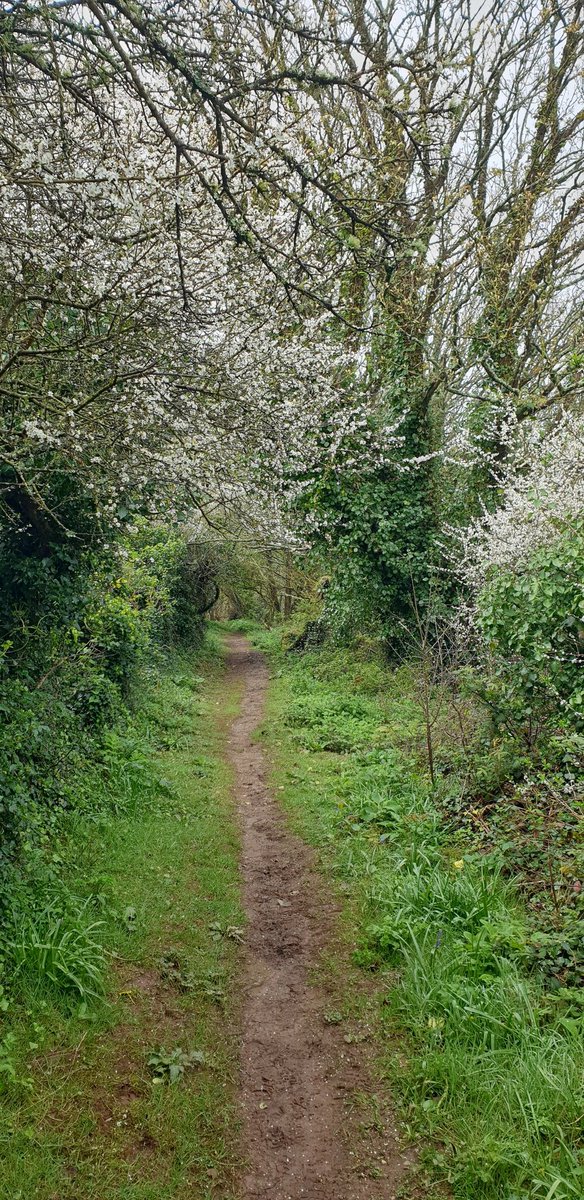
(302,1083)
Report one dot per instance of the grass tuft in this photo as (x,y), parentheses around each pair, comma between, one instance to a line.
(61,950)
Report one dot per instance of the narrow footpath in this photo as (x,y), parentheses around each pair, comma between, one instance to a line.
(298,1072)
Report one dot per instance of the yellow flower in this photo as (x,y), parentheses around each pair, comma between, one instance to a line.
(458,864)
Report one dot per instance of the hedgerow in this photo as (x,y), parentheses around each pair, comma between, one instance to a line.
(77,626)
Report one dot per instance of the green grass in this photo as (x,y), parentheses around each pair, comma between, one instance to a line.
(486,1065)
(145,903)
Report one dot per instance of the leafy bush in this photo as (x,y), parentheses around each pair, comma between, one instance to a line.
(78,626)
(371,518)
(172,582)
(40,746)
(117,635)
(533,622)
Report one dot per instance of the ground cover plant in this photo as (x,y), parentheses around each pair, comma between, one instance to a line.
(492,1069)
(117,1055)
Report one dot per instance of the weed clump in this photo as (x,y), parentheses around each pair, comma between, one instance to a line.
(62,950)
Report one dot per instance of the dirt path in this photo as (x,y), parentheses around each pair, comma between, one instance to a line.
(298,1073)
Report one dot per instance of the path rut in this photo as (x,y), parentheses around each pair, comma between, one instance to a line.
(298,1073)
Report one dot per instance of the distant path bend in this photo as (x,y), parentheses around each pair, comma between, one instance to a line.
(297,1072)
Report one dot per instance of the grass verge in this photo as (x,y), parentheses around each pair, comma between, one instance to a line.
(485,1060)
(130,1094)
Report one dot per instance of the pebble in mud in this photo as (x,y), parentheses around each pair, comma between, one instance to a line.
(295,1075)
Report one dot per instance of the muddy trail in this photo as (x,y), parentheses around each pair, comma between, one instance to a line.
(299,1075)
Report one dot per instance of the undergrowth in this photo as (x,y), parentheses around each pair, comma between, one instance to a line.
(495,1054)
(116,982)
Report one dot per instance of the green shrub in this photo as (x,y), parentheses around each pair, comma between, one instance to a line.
(79,626)
(169,581)
(40,745)
(533,622)
(118,636)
